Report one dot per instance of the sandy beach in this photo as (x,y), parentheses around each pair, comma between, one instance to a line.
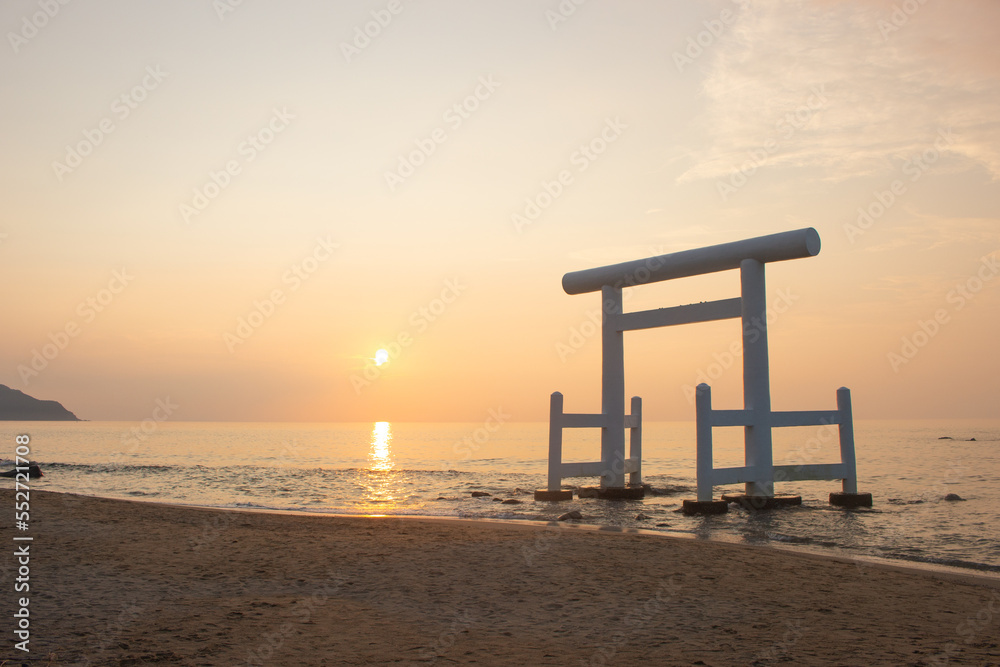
(129,583)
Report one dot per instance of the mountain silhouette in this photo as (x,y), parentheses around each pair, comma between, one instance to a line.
(17,406)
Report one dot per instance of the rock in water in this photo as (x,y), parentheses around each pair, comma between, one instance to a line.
(953,496)
(571,515)
(34,472)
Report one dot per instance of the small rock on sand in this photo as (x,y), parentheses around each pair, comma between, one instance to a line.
(511,501)
(480,494)
(642,517)
(953,496)
(571,515)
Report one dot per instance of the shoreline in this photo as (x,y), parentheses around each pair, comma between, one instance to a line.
(943,570)
(134,582)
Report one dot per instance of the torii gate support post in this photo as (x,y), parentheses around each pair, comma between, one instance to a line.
(846,428)
(553,490)
(555,442)
(849,497)
(705,504)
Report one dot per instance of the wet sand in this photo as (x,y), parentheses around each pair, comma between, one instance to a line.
(128,583)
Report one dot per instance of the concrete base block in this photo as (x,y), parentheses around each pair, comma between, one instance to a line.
(545,494)
(761,502)
(693,507)
(612,492)
(841,499)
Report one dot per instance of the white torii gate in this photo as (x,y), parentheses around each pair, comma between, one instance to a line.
(759,473)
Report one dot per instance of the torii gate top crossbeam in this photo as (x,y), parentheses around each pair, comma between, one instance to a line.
(723,257)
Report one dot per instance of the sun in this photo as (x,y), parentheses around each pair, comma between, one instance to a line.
(381,357)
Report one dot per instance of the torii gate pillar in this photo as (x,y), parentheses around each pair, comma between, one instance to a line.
(612,389)
(756,377)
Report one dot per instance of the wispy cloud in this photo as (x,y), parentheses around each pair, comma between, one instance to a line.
(891,81)
(929,232)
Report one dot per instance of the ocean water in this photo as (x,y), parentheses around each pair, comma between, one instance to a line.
(387,468)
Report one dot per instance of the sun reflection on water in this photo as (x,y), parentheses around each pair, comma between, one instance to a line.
(380,456)
(382,483)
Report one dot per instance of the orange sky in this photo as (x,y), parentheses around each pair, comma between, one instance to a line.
(234,206)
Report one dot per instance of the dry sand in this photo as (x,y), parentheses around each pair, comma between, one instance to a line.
(128,583)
